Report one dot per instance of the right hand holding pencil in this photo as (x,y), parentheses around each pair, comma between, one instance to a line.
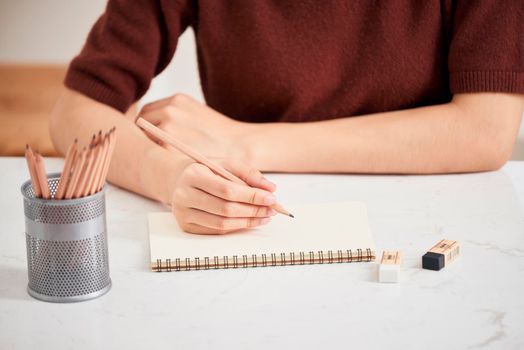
(206,203)
(218,197)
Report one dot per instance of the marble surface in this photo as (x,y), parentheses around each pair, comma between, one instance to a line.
(475,303)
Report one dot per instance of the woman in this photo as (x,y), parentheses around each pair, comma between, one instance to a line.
(412,87)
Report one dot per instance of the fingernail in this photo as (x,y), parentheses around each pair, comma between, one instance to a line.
(269,199)
(267,182)
(264,221)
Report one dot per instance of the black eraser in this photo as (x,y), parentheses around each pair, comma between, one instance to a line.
(433,261)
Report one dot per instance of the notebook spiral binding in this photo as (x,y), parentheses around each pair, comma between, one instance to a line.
(264,260)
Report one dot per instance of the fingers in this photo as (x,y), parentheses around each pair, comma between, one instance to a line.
(203,230)
(158,116)
(249,175)
(198,199)
(176,105)
(157,104)
(204,202)
(169,107)
(164,119)
(199,229)
(222,224)
(175,100)
(211,183)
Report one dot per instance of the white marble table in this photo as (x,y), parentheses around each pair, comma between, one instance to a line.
(476,302)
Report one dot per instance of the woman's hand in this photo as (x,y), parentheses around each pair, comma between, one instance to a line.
(206,203)
(197,125)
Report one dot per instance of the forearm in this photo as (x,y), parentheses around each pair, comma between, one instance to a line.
(138,164)
(436,139)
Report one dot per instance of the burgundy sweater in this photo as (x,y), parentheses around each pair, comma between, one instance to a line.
(290,60)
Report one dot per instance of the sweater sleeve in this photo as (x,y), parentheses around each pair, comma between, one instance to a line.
(486,51)
(132,42)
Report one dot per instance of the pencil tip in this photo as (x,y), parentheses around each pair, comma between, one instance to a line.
(291,215)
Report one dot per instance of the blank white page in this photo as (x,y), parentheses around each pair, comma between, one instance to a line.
(316,227)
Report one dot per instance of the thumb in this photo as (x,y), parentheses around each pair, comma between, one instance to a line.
(249,175)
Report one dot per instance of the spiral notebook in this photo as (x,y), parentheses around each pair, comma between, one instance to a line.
(319,234)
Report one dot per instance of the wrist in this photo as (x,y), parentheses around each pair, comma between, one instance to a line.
(160,175)
(259,142)
(246,144)
(238,140)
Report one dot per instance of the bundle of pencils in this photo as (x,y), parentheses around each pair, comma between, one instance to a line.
(85,170)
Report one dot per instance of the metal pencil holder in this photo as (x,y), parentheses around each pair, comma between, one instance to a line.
(66,241)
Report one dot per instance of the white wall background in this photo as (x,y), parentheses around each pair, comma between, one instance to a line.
(53,31)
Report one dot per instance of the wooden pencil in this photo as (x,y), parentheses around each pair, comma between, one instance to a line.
(100,169)
(107,158)
(66,171)
(84,170)
(83,182)
(69,184)
(77,171)
(165,137)
(112,145)
(89,190)
(42,176)
(92,143)
(84,175)
(32,171)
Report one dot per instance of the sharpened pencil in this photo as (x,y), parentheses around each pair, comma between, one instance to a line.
(90,185)
(107,160)
(42,176)
(84,171)
(103,157)
(84,176)
(77,171)
(66,172)
(29,156)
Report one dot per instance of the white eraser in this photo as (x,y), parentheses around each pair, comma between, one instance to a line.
(389,269)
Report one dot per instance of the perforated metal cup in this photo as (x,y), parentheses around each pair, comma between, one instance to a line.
(66,241)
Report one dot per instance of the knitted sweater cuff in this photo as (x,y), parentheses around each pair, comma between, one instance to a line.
(487,81)
(88,85)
